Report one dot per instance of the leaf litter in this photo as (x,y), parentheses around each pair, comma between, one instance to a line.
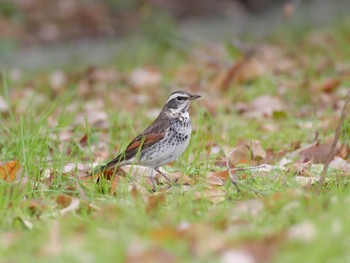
(212,73)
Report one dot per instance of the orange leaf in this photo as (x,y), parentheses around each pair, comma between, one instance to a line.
(9,170)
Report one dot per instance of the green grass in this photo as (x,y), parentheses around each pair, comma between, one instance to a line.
(181,227)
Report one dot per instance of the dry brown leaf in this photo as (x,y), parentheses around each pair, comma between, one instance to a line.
(258,153)
(217,177)
(63,200)
(34,206)
(317,153)
(272,157)
(344,151)
(327,85)
(155,255)
(241,154)
(263,106)
(8,170)
(165,233)
(72,207)
(154,202)
(213,195)
(183,180)
(247,151)
(115,182)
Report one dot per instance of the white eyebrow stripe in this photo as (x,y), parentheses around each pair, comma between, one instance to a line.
(175,95)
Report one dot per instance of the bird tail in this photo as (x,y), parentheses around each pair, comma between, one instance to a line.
(117,161)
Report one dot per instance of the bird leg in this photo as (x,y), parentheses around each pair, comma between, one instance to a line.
(162,174)
(150,174)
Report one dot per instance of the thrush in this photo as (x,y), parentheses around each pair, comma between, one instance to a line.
(161,142)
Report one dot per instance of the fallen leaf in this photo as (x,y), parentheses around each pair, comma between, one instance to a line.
(307,181)
(34,206)
(304,232)
(154,201)
(258,153)
(252,208)
(340,164)
(156,255)
(72,207)
(273,157)
(142,77)
(4,108)
(166,233)
(203,239)
(64,200)
(240,154)
(217,177)
(327,85)
(213,195)
(182,180)
(238,256)
(263,106)
(9,170)
(317,153)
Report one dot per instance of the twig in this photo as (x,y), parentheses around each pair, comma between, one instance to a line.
(330,155)
(232,176)
(249,168)
(234,179)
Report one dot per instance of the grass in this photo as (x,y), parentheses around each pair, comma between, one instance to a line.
(181,228)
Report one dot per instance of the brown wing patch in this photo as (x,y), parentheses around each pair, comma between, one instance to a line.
(146,139)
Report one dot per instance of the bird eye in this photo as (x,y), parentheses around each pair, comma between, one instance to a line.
(181,98)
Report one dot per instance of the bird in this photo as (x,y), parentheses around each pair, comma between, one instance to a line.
(163,141)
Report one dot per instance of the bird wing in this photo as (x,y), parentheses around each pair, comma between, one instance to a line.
(154,133)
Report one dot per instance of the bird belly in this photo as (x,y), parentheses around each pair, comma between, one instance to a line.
(167,150)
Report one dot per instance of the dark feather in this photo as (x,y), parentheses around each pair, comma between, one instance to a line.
(152,134)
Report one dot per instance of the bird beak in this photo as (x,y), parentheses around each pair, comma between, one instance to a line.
(194,97)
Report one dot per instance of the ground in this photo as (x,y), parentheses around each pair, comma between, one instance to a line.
(274,103)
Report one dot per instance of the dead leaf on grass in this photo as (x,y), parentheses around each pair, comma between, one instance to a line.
(72,207)
(272,157)
(142,77)
(217,178)
(264,106)
(64,200)
(247,151)
(307,181)
(340,164)
(327,85)
(304,232)
(215,196)
(155,255)
(317,153)
(154,202)
(4,108)
(252,208)
(240,256)
(181,179)
(8,170)
(35,206)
